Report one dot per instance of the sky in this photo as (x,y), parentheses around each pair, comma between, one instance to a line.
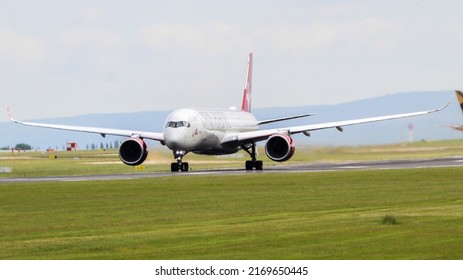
(67,58)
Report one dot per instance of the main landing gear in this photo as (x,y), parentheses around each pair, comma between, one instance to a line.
(253,163)
(179,165)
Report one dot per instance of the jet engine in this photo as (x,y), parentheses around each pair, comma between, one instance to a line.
(133,151)
(279,147)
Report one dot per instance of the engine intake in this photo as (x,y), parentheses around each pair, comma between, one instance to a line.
(133,151)
(279,147)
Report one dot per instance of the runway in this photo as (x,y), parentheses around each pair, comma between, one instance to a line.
(309,167)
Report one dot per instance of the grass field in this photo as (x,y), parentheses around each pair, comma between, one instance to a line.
(326,215)
(382,214)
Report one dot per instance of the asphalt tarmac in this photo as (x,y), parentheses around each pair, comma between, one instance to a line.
(310,167)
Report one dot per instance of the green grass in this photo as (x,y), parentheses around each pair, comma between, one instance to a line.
(36,164)
(326,215)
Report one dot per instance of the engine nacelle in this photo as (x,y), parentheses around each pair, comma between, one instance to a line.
(279,147)
(133,151)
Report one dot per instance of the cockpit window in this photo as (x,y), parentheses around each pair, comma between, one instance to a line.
(178,124)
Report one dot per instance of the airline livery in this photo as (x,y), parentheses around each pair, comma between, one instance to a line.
(218,132)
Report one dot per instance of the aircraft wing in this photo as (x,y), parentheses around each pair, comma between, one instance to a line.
(255,136)
(103,131)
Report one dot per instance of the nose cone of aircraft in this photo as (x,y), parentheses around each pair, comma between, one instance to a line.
(177,129)
(174,138)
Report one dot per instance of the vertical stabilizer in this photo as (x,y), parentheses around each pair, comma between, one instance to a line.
(460,99)
(246,106)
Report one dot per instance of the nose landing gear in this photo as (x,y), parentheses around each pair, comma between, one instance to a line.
(179,165)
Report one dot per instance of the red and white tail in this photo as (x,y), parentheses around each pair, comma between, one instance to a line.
(246,106)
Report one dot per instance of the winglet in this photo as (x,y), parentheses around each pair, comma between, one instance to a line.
(9,113)
(445,106)
(10,117)
(246,105)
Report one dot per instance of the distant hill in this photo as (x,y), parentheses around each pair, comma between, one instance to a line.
(429,127)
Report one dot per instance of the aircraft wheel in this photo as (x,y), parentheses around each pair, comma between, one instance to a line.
(185,166)
(249,165)
(174,167)
(259,165)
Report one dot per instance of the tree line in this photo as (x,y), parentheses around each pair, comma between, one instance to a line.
(93,146)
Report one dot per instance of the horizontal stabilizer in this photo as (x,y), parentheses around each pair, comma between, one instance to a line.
(284,119)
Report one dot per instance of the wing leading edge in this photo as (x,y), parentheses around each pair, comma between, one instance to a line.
(103,131)
(255,136)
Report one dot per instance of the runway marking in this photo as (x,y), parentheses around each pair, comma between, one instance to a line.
(354,167)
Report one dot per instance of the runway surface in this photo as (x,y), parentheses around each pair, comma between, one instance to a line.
(309,167)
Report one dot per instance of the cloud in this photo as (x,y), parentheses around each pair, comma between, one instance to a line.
(309,51)
(105,47)
(19,49)
(314,39)
(98,38)
(91,15)
(209,38)
(331,38)
(339,11)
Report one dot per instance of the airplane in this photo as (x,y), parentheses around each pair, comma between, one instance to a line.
(459,95)
(218,132)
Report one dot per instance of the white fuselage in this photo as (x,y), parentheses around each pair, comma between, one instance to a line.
(201,130)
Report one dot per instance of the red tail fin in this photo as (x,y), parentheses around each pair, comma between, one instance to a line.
(246,106)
